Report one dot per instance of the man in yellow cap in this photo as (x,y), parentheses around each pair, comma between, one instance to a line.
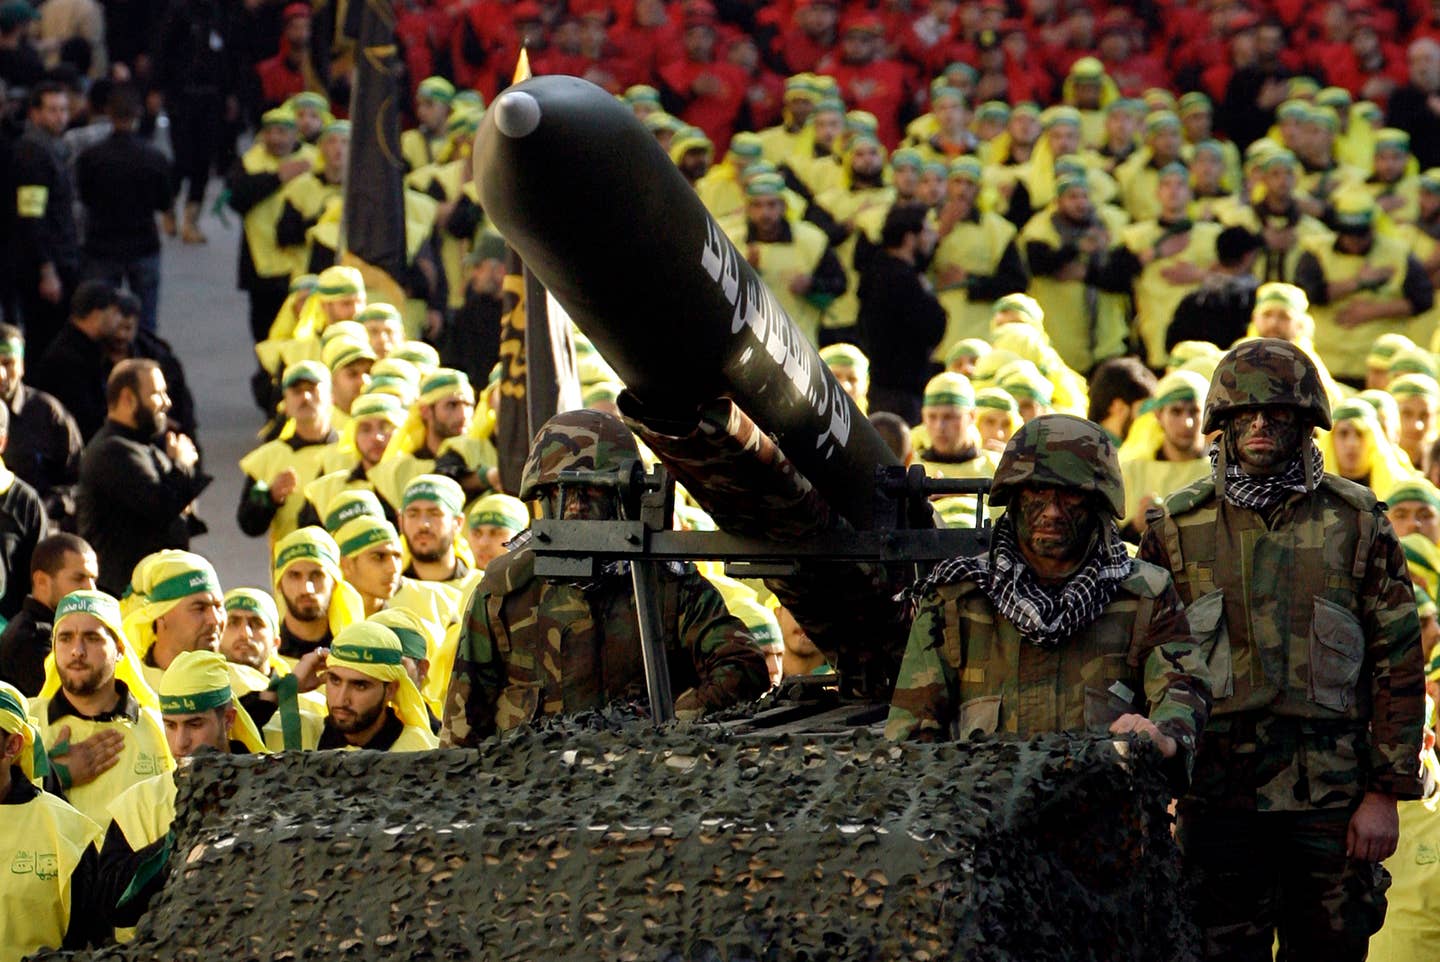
(778,143)
(51,893)
(846,212)
(431,513)
(312,602)
(373,702)
(201,714)
(421,145)
(349,360)
(443,411)
(1414,505)
(1418,398)
(178,606)
(384,327)
(490,523)
(1167,450)
(276,473)
(976,259)
(374,419)
(1360,282)
(251,635)
(372,562)
(722,189)
(255,183)
(86,696)
(952,448)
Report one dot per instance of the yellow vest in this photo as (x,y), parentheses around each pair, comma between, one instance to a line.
(778,145)
(1424,329)
(721,192)
(145,755)
(846,204)
(145,810)
(270,459)
(1307,228)
(779,262)
(453,249)
(419,150)
(1407,188)
(269,258)
(310,193)
(1155,297)
(977,247)
(818,174)
(1344,350)
(323,489)
(1145,476)
(1089,324)
(41,843)
(1412,917)
(391,475)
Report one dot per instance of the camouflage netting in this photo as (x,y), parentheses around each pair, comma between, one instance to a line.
(583,843)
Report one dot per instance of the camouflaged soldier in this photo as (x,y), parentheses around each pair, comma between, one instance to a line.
(1298,592)
(531,647)
(1056,629)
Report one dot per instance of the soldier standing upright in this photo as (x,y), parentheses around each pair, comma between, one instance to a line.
(1056,628)
(1298,591)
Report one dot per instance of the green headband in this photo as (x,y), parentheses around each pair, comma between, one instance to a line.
(175,587)
(1410,491)
(241,600)
(381,532)
(95,603)
(9,703)
(305,371)
(430,490)
(194,704)
(1171,397)
(947,399)
(349,511)
(412,643)
(12,347)
(305,551)
(366,655)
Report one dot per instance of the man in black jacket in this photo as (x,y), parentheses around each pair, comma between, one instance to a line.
(60,564)
(137,481)
(22,525)
(900,318)
(74,367)
(123,183)
(45,443)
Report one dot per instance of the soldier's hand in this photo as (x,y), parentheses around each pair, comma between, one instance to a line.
(1374,828)
(1140,725)
(87,760)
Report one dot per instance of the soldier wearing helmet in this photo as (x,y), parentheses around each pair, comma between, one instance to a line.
(1055,628)
(1297,590)
(530,647)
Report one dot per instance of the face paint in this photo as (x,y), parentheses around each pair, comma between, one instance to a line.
(1053,523)
(1264,440)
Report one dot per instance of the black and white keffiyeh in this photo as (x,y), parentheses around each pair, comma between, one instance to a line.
(1045,616)
(1263,492)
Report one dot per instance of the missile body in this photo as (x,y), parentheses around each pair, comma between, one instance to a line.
(599,213)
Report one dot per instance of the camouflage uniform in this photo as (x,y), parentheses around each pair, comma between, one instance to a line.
(531,647)
(1307,620)
(968,670)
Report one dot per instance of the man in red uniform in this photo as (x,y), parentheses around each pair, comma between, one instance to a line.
(699,88)
(867,81)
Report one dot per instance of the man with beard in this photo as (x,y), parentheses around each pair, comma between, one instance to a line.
(276,472)
(1276,216)
(779,142)
(1423,236)
(45,443)
(430,520)
(372,561)
(373,702)
(839,212)
(1168,451)
(61,563)
(175,604)
(251,635)
(1062,244)
(373,421)
(1298,592)
(135,495)
(74,365)
(443,412)
(89,698)
(1024,639)
(307,573)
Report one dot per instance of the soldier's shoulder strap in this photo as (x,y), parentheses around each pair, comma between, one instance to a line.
(1367,509)
(1192,496)
(1161,517)
(1147,582)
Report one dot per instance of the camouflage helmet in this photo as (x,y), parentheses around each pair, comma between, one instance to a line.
(1061,451)
(581,440)
(1261,373)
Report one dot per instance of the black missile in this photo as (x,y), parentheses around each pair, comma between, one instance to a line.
(602,217)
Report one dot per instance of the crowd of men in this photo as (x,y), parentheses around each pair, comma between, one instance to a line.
(1022,235)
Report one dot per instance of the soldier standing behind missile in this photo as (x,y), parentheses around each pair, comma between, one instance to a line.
(530,647)
(1297,589)
(1056,628)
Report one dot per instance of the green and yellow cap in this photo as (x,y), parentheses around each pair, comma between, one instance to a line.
(350,504)
(362,532)
(1414,489)
(435,488)
(436,88)
(500,511)
(948,389)
(966,168)
(311,371)
(255,601)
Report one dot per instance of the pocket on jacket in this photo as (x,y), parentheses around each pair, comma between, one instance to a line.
(978,716)
(1337,651)
(1206,617)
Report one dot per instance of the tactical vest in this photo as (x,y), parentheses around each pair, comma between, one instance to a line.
(1155,297)
(1089,324)
(976,247)
(269,258)
(1345,350)
(144,755)
(557,658)
(41,843)
(1276,611)
(1007,684)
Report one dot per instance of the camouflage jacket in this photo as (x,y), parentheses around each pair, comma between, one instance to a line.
(967,670)
(530,647)
(1307,621)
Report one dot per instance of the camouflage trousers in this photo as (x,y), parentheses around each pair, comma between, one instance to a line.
(1258,875)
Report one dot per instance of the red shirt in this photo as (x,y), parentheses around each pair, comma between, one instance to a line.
(877,87)
(713,113)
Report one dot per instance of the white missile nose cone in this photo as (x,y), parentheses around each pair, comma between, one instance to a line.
(517,114)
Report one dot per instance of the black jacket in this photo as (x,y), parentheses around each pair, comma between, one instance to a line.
(40,162)
(131,501)
(123,181)
(23,646)
(44,450)
(1217,311)
(22,525)
(74,369)
(900,321)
